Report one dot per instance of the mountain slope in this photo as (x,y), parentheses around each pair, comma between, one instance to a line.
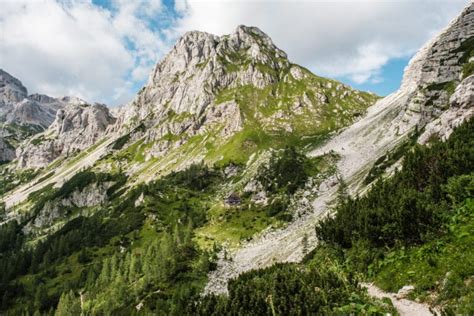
(388,123)
(224,163)
(222,100)
(411,234)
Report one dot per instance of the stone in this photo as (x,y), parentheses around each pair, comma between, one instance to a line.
(24,115)
(405,291)
(76,127)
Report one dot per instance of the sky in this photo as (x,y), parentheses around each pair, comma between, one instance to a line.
(104,50)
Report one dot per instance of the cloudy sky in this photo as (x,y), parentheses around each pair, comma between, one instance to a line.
(103,50)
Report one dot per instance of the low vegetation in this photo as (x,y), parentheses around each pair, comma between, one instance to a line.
(413,227)
(11,179)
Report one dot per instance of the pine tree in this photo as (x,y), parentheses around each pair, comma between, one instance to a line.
(304,243)
(5,300)
(105,274)
(68,305)
(135,267)
(40,298)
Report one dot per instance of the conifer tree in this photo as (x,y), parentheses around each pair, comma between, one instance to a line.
(68,305)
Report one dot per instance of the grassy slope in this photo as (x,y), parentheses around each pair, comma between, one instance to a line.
(263,130)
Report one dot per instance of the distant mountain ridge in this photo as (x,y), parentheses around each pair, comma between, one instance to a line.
(23,115)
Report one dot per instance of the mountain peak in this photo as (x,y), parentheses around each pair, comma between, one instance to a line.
(11,89)
(76,127)
(200,64)
(195,47)
(251,31)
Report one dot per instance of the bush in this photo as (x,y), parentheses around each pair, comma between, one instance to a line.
(460,188)
(285,172)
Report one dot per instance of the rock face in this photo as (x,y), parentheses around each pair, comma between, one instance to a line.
(16,107)
(200,64)
(440,66)
(89,196)
(7,152)
(11,89)
(76,127)
(209,88)
(460,108)
(23,115)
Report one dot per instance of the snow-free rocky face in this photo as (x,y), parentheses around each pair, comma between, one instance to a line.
(75,128)
(225,98)
(23,115)
(17,107)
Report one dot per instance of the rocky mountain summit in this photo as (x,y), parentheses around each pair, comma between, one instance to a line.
(75,128)
(210,91)
(201,64)
(23,115)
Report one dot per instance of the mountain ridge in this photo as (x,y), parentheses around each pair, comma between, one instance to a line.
(23,115)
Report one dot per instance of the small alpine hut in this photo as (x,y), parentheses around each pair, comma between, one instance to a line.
(233,199)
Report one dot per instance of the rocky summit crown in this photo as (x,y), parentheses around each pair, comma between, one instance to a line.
(210,90)
(200,64)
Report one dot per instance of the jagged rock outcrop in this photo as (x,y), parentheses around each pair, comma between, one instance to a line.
(11,90)
(76,127)
(16,107)
(29,112)
(23,115)
(460,108)
(89,196)
(7,152)
(440,66)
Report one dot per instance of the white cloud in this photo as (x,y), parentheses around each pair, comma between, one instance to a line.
(76,48)
(352,39)
(132,22)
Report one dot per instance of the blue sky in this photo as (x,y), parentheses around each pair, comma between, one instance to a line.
(390,78)
(104,50)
